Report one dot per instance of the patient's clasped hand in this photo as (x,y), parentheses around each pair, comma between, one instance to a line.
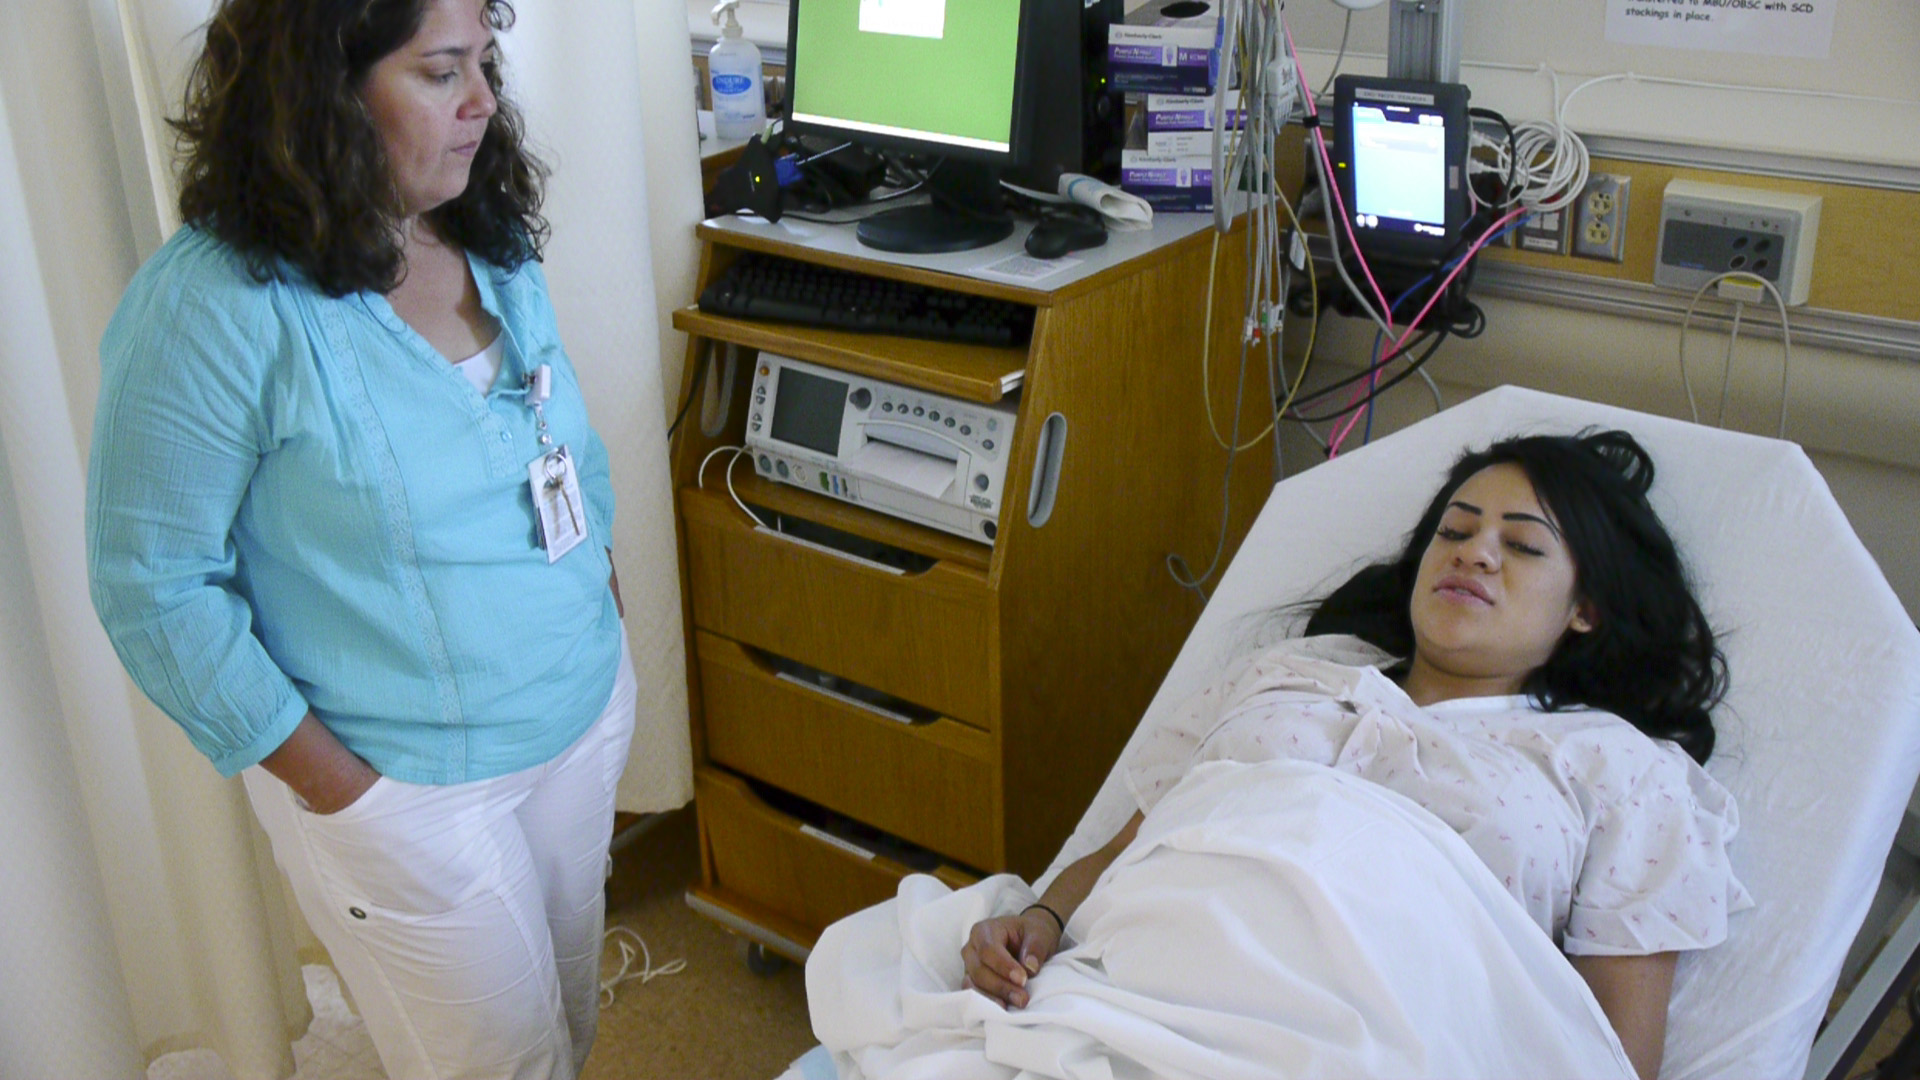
(1366,852)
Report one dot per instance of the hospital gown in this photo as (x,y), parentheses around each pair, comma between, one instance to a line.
(1613,842)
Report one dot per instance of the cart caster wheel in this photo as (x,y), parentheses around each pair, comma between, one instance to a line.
(763,961)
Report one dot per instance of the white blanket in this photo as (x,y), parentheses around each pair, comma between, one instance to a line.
(1271,920)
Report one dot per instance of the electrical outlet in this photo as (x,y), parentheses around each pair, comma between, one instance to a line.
(1600,218)
(1544,231)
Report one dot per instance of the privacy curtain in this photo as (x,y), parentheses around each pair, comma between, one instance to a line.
(139,909)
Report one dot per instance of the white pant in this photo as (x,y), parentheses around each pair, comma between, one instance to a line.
(466,918)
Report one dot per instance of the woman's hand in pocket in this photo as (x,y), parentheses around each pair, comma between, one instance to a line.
(319,768)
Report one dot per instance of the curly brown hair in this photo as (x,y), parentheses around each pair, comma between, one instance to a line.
(281,159)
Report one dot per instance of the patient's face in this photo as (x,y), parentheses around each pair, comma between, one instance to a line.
(1496,589)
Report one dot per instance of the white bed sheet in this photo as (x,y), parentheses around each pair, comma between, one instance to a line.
(1819,738)
(1253,931)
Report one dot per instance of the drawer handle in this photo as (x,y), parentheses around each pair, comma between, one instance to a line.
(878,702)
(849,699)
(1046,470)
(847,846)
(834,551)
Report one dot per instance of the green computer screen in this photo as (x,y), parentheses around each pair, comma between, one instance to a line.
(941,70)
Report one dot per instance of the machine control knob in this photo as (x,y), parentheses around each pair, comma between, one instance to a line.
(781,468)
(986,444)
(919,410)
(862,398)
(980,481)
(766,463)
(886,406)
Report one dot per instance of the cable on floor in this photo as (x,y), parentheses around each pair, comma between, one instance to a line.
(647,972)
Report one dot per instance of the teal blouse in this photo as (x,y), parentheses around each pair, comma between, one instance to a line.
(295,503)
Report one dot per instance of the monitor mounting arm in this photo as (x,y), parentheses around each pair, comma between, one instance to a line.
(1423,39)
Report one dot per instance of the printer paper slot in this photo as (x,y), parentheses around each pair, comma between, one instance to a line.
(903,466)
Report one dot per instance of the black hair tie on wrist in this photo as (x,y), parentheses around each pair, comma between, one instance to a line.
(1058,921)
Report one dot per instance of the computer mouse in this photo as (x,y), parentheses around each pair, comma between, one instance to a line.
(1055,236)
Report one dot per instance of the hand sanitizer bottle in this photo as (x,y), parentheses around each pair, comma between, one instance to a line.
(733,74)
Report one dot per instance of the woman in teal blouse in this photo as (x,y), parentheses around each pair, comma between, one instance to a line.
(348,521)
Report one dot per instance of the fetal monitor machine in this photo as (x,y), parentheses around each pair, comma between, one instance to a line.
(900,450)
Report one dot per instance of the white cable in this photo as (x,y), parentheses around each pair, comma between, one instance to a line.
(1786,341)
(700,478)
(1439,404)
(1550,163)
(736,495)
(1341,55)
(1332,218)
(647,972)
(1726,373)
(1244,156)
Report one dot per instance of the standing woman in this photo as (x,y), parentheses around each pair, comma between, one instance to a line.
(347,521)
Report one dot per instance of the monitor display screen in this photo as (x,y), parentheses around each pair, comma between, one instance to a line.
(807,410)
(936,71)
(1399,168)
(1401,165)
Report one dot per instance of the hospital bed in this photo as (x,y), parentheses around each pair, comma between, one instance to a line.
(1818,739)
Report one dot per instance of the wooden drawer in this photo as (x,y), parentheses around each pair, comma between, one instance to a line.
(928,782)
(922,637)
(760,855)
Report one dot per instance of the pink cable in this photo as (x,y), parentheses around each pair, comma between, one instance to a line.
(1333,445)
(1340,435)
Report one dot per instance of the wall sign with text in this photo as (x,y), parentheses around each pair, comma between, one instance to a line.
(1764,27)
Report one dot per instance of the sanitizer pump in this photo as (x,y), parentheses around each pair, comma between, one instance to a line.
(733,74)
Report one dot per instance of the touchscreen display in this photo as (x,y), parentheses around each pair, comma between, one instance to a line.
(1400,168)
(807,410)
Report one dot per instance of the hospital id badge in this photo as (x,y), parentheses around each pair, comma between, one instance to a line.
(556,502)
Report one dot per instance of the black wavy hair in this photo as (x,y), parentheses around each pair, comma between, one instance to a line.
(1651,657)
(282,162)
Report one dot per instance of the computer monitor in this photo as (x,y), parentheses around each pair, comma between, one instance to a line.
(1401,153)
(987,86)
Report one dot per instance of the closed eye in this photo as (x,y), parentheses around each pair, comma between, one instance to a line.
(1445,532)
(1524,549)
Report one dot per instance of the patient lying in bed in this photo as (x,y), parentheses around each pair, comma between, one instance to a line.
(1348,865)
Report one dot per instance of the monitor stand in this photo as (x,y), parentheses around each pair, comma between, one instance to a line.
(968,211)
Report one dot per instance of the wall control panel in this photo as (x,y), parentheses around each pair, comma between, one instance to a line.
(1712,229)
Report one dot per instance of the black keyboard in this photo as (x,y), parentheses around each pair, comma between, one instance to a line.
(785,290)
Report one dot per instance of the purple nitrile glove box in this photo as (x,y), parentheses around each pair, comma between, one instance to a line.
(1189,112)
(1183,58)
(1166,182)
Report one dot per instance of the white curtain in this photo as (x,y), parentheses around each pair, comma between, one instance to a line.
(139,910)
